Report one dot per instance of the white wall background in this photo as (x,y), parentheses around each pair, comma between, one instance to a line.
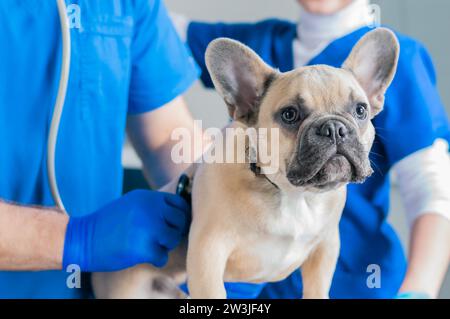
(426,20)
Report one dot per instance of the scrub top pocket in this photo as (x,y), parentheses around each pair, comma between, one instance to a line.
(105,65)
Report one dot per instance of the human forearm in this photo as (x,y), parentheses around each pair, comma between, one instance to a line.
(151,136)
(159,168)
(140,227)
(31,238)
(429,255)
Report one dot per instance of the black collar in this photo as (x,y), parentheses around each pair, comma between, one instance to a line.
(257,171)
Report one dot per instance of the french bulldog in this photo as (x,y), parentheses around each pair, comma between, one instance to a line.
(252,225)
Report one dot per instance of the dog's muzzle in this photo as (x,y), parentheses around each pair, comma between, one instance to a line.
(329,153)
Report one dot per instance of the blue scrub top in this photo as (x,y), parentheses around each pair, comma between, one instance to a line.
(412,119)
(126,59)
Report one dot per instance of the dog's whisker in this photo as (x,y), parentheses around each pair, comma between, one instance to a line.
(381,136)
(376,167)
(376,154)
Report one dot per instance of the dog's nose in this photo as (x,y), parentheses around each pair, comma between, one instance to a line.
(334,130)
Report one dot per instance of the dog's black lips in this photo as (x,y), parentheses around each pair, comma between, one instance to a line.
(360,165)
(336,162)
(310,160)
(349,162)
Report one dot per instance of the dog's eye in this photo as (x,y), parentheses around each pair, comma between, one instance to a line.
(289,115)
(361,111)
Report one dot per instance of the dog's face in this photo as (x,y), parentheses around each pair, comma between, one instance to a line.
(323,114)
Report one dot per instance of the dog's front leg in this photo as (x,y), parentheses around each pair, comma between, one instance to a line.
(318,269)
(206,262)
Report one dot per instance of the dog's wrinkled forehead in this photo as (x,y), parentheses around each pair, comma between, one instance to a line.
(321,88)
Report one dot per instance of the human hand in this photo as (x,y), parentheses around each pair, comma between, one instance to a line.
(412,295)
(139,227)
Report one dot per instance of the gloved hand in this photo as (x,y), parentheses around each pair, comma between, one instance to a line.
(237,290)
(140,227)
(412,295)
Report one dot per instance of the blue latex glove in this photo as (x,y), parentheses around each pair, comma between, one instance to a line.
(237,290)
(412,295)
(140,227)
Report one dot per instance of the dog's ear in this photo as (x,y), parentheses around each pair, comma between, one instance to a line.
(240,76)
(373,61)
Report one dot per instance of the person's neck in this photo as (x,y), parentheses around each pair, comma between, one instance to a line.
(314,29)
